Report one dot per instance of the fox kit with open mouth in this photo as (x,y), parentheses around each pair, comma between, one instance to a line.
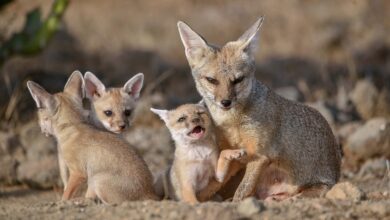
(113,174)
(197,159)
(291,148)
(112,108)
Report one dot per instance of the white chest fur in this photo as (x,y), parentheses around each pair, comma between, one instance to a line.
(197,153)
(201,173)
(201,164)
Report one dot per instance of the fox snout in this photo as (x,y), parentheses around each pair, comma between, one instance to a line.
(121,126)
(226,103)
(224,94)
(225,100)
(195,120)
(116,126)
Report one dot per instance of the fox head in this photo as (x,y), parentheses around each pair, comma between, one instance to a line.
(49,105)
(223,75)
(112,108)
(187,123)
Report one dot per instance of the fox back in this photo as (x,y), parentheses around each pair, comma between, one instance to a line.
(247,114)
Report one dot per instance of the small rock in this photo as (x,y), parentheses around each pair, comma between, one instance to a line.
(383,103)
(8,143)
(289,92)
(364,97)
(250,206)
(380,209)
(39,165)
(11,152)
(37,145)
(368,141)
(369,101)
(42,173)
(344,131)
(8,170)
(345,191)
(374,168)
(325,111)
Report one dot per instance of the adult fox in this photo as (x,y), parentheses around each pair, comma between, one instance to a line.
(290,146)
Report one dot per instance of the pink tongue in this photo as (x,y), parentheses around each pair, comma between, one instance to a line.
(197,132)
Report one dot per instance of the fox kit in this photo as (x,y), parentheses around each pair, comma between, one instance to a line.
(291,148)
(113,175)
(112,108)
(196,155)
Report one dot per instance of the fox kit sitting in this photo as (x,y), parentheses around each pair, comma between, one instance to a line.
(113,175)
(196,156)
(112,108)
(291,148)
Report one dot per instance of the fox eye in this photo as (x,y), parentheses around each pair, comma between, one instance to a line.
(212,80)
(238,80)
(127,112)
(181,119)
(108,113)
(201,112)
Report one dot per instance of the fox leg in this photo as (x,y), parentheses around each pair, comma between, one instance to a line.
(214,186)
(74,181)
(248,184)
(90,194)
(63,169)
(224,160)
(188,194)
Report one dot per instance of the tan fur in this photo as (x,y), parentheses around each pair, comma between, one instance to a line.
(119,102)
(283,139)
(116,100)
(196,160)
(114,174)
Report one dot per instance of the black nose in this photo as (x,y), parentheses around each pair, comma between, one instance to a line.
(122,127)
(196,120)
(226,103)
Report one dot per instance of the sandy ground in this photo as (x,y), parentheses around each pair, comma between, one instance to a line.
(23,203)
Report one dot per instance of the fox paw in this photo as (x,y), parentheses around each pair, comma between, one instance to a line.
(220,176)
(235,154)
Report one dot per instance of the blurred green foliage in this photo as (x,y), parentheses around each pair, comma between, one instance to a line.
(35,34)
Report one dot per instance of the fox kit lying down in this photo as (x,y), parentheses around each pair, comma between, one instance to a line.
(291,148)
(113,174)
(112,108)
(196,156)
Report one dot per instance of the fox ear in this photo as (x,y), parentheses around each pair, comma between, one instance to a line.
(134,85)
(94,88)
(42,98)
(162,113)
(75,86)
(195,45)
(202,103)
(250,38)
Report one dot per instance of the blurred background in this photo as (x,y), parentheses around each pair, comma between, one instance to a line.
(333,55)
